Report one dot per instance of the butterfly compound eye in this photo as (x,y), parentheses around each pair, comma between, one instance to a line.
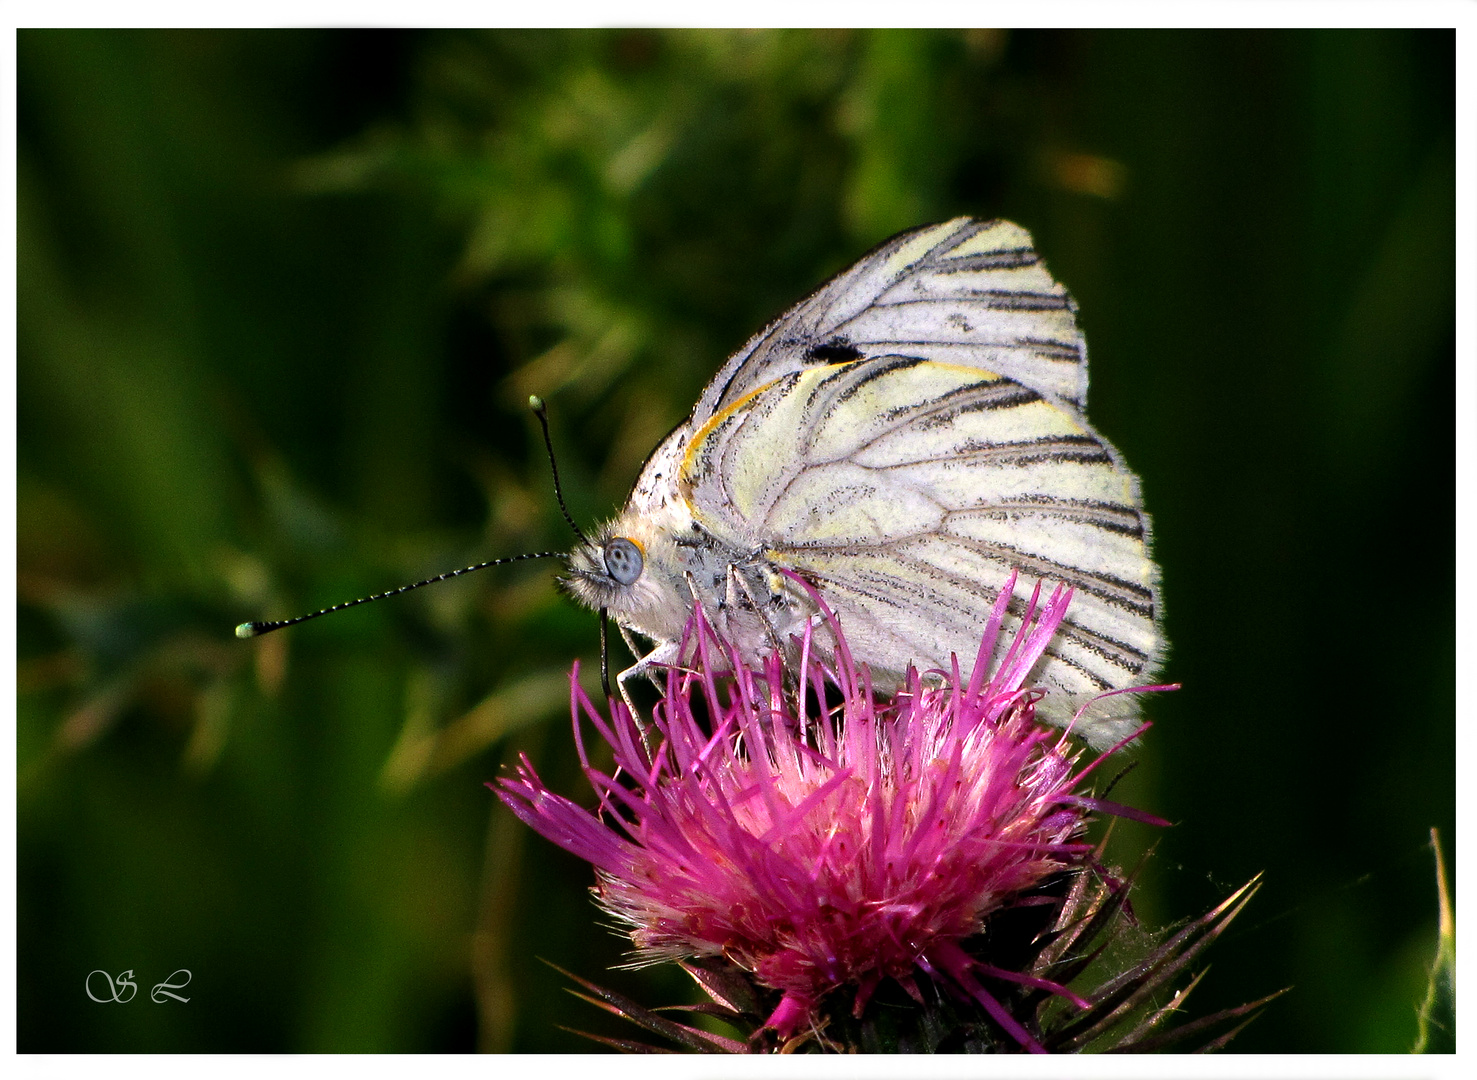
(623,560)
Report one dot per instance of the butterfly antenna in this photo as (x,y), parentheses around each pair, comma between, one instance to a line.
(604,657)
(257,629)
(536,403)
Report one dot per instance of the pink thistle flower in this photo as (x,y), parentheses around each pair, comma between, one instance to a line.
(824,851)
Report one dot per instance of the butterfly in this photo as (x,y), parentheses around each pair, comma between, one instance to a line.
(904,439)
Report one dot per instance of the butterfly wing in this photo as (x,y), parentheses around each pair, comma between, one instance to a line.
(966,292)
(864,441)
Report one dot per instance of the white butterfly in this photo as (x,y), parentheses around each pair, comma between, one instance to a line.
(904,439)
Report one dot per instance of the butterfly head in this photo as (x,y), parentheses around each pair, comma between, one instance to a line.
(605,568)
(630,568)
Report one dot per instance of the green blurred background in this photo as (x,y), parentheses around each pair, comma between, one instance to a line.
(282,296)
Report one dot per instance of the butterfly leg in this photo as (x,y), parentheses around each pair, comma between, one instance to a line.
(715,609)
(735,575)
(637,653)
(648,666)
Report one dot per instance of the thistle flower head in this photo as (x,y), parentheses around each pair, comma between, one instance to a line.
(817,846)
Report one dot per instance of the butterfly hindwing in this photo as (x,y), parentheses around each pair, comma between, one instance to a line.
(909,490)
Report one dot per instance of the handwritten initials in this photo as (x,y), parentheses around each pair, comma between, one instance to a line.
(123,988)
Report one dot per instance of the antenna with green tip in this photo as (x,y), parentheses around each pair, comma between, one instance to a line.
(536,403)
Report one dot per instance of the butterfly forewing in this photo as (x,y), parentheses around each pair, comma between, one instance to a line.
(964,292)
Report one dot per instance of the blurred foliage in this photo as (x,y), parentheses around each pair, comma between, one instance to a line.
(282,295)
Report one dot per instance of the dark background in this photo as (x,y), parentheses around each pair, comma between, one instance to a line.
(282,295)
